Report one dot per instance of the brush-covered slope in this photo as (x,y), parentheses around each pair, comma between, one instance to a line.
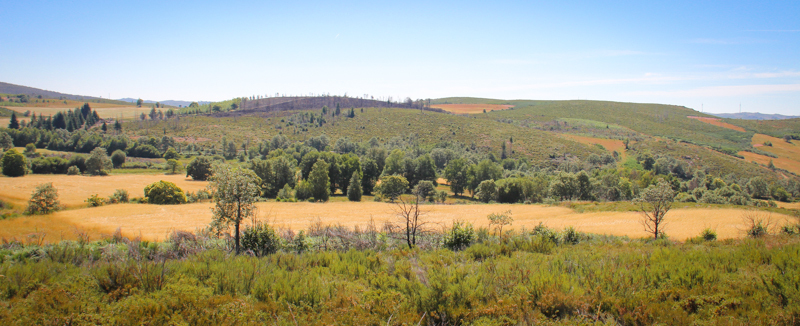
(424,128)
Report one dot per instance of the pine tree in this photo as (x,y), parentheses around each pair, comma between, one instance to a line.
(354,190)
(14,124)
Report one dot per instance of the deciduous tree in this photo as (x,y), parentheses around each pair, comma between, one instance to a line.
(199,168)
(319,180)
(164,193)
(235,192)
(392,186)
(654,203)
(98,162)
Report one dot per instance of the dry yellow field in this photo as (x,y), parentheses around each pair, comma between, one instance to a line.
(779,147)
(717,122)
(609,144)
(105,111)
(154,222)
(73,190)
(471,108)
(788,153)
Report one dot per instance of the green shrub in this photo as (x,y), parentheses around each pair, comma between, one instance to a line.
(570,236)
(546,233)
(13,163)
(118,158)
(73,170)
(300,242)
(460,236)
(95,201)
(709,235)
(302,190)
(200,195)
(260,240)
(119,196)
(164,193)
(286,193)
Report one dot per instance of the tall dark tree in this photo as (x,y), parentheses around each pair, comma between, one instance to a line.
(14,124)
(86,110)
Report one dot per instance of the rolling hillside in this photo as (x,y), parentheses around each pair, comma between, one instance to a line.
(6,88)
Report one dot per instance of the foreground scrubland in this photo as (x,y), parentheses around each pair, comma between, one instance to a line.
(368,279)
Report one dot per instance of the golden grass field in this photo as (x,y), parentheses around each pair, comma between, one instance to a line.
(717,122)
(155,222)
(788,153)
(779,147)
(609,144)
(73,190)
(105,111)
(471,108)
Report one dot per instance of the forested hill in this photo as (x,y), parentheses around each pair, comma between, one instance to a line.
(273,104)
(7,88)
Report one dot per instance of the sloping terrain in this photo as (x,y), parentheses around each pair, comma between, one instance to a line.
(7,88)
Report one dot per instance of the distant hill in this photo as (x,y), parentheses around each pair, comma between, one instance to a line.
(6,88)
(167,102)
(754,116)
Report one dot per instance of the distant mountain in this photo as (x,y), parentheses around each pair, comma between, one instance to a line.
(754,116)
(167,102)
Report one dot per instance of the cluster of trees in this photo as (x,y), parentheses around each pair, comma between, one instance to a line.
(83,141)
(158,114)
(70,120)
(285,170)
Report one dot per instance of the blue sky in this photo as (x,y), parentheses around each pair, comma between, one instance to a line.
(709,55)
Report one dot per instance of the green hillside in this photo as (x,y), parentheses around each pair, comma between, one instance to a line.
(774,128)
(667,121)
(425,129)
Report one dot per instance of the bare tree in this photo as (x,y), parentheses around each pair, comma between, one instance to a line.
(654,203)
(410,214)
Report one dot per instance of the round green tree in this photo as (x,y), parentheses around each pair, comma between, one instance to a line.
(392,186)
(171,153)
(118,158)
(13,163)
(98,162)
(164,193)
(199,168)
